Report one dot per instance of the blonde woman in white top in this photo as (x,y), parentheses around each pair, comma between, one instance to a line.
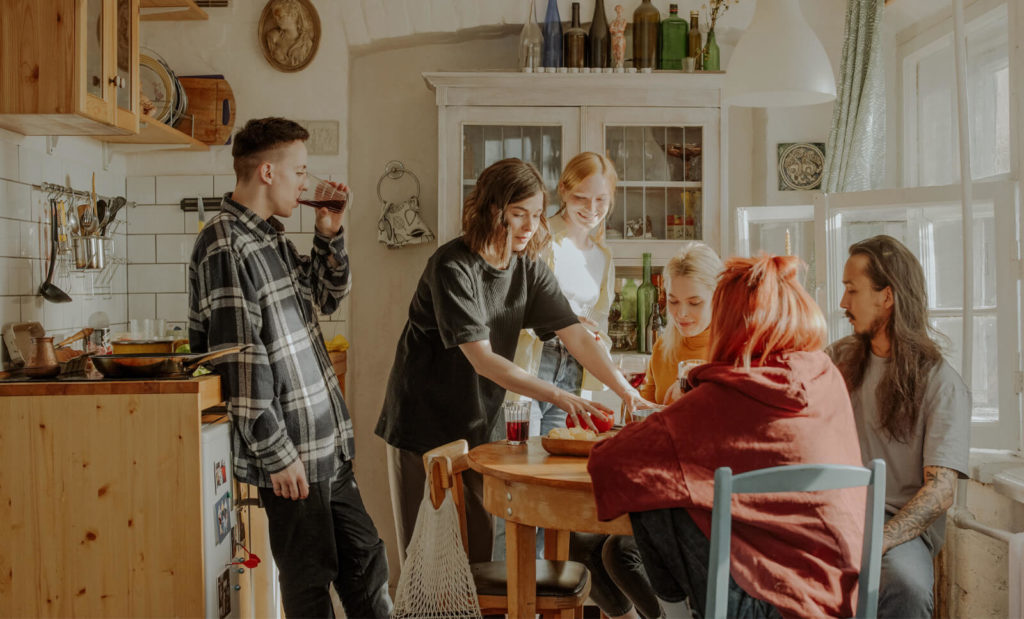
(582,264)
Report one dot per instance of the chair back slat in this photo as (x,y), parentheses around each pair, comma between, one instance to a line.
(444,466)
(797,478)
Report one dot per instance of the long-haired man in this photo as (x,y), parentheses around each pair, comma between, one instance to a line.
(911,408)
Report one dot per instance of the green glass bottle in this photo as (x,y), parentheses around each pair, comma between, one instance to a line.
(574,41)
(629,301)
(646,295)
(673,40)
(712,60)
(646,20)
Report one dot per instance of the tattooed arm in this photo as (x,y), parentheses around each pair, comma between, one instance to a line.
(930,502)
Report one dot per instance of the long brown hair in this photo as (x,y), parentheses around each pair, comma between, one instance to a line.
(483,214)
(914,352)
(760,310)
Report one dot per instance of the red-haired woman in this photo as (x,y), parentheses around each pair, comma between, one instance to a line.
(768,396)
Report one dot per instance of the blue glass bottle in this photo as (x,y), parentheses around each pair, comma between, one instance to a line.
(552,55)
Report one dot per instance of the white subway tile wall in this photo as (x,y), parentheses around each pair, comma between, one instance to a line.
(25,235)
(160,240)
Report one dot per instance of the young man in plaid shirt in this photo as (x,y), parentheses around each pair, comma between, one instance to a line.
(292,435)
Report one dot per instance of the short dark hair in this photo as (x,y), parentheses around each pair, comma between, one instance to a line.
(260,135)
(483,213)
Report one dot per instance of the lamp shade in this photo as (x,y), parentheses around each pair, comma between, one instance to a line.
(779,61)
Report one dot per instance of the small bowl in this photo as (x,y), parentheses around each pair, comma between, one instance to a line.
(643,413)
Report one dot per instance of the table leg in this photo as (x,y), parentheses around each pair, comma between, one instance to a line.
(556,544)
(521,568)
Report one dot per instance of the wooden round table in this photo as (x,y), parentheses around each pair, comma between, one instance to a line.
(530,488)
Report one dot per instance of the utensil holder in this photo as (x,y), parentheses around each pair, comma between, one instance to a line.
(90,252)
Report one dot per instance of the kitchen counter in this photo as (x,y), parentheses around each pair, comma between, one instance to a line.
(101,498)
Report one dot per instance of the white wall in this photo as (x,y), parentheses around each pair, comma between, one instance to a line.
(24,233)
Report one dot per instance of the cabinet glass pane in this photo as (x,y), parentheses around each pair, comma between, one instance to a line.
(770,237)
(660,193)
(985,364)
(124,53)
(483,145)
(94,47)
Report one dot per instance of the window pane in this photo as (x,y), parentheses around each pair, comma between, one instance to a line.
(985,392)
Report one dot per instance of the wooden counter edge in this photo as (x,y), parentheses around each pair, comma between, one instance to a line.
(207,387)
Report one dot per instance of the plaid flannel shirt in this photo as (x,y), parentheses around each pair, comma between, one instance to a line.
(249,285)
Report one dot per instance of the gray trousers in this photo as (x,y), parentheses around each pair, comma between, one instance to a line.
(406,478)
(905,586)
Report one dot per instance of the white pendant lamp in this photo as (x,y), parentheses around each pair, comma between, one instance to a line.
(779,61)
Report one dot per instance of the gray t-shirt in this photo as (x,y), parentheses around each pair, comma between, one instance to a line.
(941,438)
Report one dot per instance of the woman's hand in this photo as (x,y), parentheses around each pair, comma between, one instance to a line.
(632,401)
(674,393)
(581,411)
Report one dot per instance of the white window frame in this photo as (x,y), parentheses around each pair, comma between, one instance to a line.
(1006,431)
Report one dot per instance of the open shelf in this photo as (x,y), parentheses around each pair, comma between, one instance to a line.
(187,10)
(154,132)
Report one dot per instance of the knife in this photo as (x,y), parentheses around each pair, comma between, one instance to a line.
(201,212)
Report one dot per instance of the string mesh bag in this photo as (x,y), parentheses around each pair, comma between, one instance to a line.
(436,580)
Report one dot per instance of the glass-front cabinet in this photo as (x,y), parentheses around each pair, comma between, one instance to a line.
(662,132)
(667,159)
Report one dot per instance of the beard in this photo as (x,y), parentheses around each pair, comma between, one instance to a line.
(878,324)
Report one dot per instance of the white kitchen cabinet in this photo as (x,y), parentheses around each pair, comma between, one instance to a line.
(663,131)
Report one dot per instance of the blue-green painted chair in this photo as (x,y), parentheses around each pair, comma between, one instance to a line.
(797,478)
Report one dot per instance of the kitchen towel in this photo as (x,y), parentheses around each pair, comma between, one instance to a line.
(400,224)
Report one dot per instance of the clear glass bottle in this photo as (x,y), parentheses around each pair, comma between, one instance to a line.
(673,40)
(695,43)
(646,20)
(712,57)
(575,41)
(552,53)
(599,53)
(531,42)
(646,295)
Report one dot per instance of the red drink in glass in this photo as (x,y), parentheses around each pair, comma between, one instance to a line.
(332,205)
(516,431)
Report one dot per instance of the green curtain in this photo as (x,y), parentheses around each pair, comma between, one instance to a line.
(855,154)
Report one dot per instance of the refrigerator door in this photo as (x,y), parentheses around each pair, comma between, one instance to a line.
(220,577)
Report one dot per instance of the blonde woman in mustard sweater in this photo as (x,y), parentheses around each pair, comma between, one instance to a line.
(690,280)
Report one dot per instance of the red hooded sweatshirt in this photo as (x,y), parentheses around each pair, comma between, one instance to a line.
(798,551)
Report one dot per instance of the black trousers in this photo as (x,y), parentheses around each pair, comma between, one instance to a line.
(328,538)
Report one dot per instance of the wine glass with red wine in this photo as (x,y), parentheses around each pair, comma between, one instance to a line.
(323,194)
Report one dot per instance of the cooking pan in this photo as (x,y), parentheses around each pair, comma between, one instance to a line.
(148,365)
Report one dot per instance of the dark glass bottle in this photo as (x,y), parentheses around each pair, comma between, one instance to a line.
(646,295)
(695,42)
(599,44)
(673,40)
(655,326)
(575,41)
(552,55)
(646,20)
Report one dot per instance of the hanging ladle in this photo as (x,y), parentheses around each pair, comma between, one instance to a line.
(48,289)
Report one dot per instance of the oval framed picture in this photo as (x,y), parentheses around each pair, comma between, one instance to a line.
(289,33)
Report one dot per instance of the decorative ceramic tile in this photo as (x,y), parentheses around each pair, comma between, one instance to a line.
(323,136)
(801,165)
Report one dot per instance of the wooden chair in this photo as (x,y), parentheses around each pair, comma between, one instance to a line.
(562,586)
(797,478)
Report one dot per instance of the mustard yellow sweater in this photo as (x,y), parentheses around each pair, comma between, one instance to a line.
(662,369)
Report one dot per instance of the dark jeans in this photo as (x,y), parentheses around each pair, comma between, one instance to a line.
(617,580)
(625,566)
(328,538)
(675,553)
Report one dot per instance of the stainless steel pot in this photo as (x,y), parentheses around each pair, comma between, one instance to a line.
(148,365)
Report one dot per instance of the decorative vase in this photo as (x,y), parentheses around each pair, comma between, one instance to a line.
(646,20)
(712,61)
(552,54)
(599,47)
(531,42)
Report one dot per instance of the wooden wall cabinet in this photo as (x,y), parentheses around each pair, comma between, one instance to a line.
(69,67)
(663,132)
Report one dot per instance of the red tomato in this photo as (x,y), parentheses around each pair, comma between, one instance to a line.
(603,423)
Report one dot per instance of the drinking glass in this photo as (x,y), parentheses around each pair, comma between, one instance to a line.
(321,193)
(683,369)
(517,421)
